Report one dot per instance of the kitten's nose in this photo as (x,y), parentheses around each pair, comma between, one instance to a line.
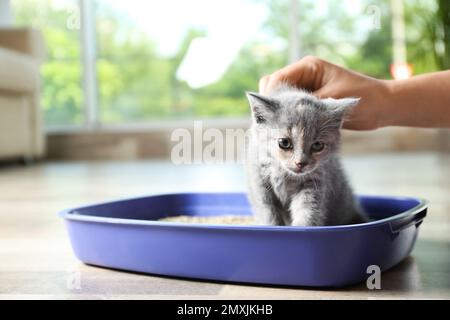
(301,164)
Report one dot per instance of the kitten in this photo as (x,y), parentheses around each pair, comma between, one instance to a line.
(294,172)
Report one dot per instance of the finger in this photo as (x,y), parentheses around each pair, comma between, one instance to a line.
(275,80)
(309,73)
(263,84)
(322,93)
(305,74)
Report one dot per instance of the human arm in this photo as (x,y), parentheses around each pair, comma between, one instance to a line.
(421,101)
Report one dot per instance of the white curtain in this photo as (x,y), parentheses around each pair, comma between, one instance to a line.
(5,13)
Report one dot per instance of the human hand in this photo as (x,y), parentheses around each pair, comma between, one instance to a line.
(325,80)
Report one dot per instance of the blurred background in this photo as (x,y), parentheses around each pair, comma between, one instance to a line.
(91,91)
(115,75)
(150,64)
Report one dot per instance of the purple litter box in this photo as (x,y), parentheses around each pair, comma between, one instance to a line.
(124,235)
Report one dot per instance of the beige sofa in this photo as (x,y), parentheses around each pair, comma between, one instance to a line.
(21,53)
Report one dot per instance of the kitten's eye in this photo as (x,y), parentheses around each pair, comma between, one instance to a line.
(285,143)
(317,146)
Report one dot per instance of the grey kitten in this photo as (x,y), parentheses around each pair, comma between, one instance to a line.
(294,172)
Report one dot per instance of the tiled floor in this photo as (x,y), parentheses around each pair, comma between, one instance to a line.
(36,259)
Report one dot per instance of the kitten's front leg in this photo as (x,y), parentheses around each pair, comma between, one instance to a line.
(306,209)
(265,204)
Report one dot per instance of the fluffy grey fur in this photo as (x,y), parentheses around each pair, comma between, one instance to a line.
(300,182)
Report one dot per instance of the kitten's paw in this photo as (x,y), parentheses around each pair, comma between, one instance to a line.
(265,221)
(301,221)
(308,219)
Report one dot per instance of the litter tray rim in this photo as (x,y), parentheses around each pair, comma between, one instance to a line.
(70,214)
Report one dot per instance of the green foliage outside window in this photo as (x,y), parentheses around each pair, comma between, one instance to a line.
(137,84)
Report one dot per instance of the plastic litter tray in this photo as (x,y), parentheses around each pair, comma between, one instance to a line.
(124,235)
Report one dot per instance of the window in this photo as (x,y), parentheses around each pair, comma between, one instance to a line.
(181,58)
(62,97)
(143,61)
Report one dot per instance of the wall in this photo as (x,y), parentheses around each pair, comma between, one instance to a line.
(141,143)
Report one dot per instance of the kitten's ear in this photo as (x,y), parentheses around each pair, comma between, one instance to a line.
(263,108)
(339,107)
